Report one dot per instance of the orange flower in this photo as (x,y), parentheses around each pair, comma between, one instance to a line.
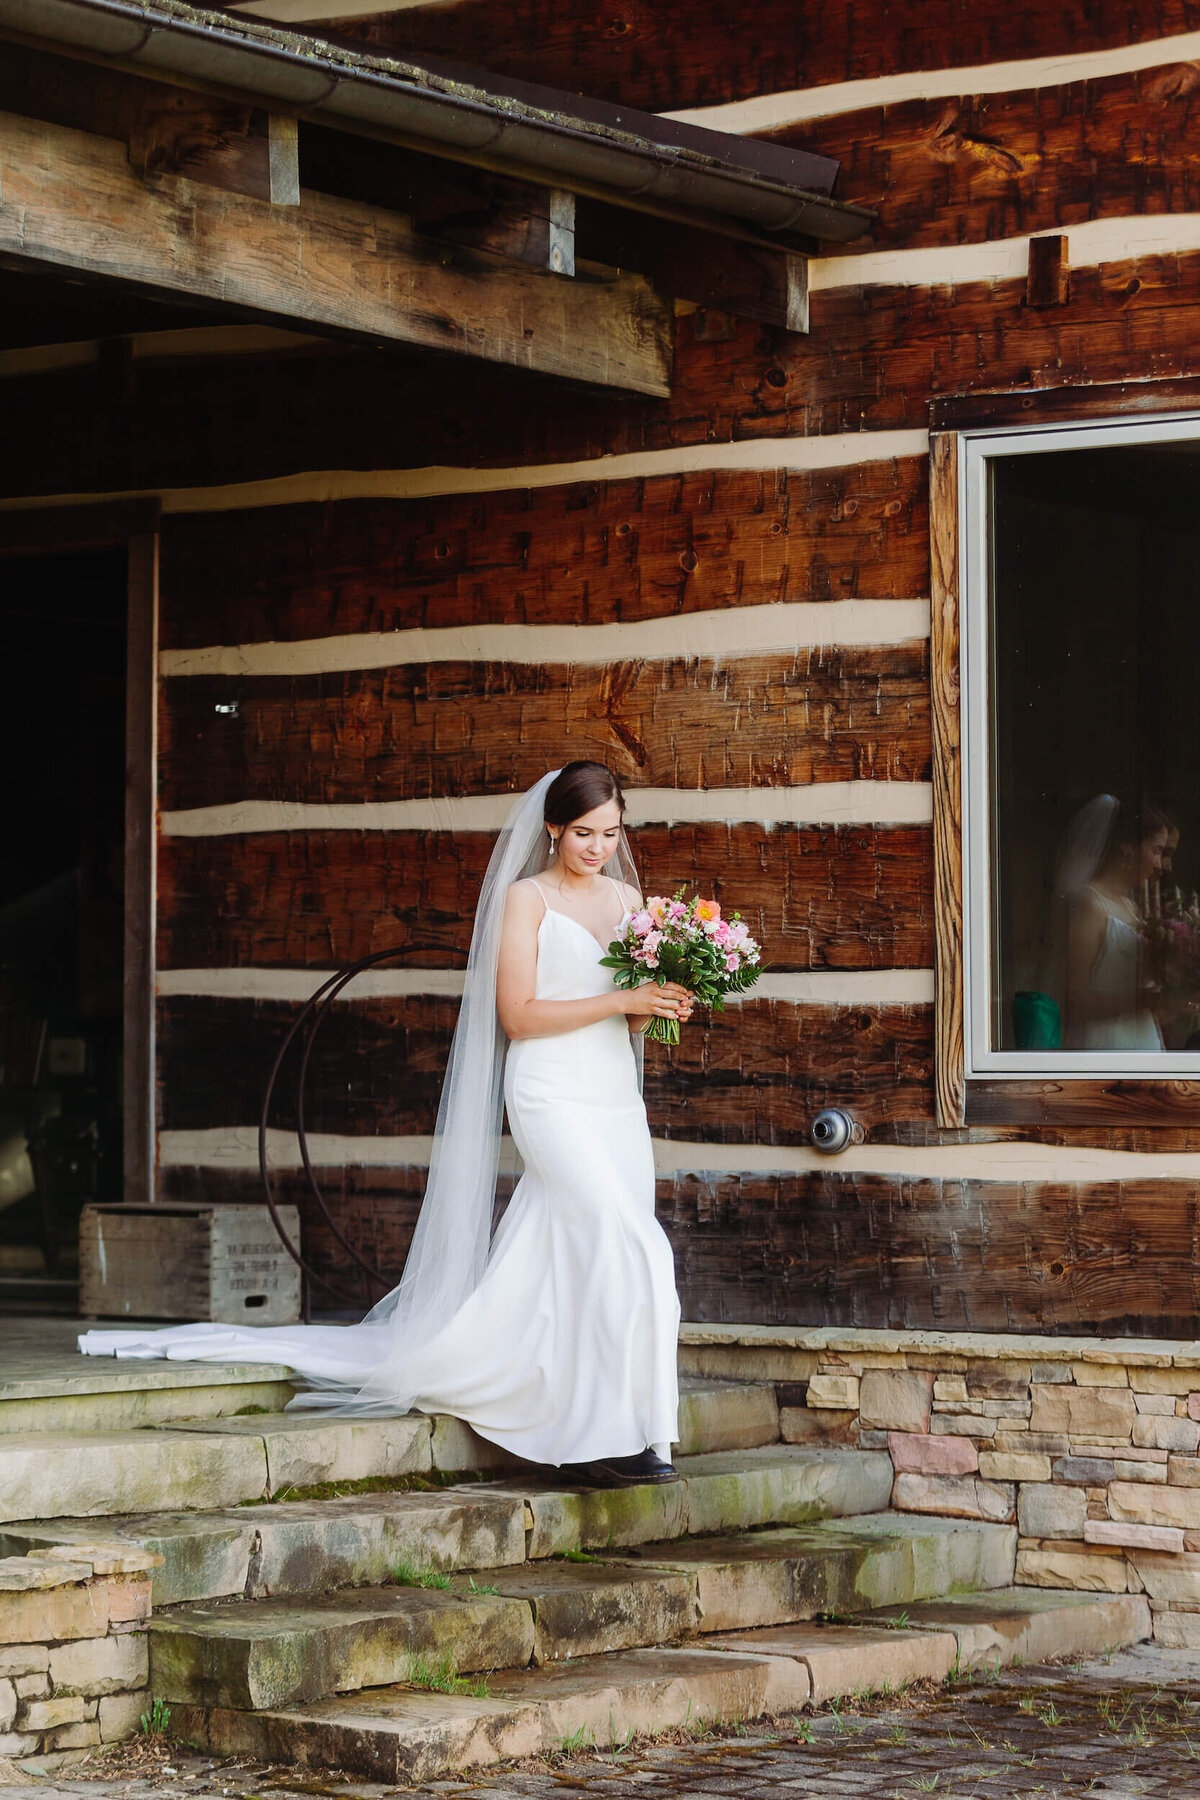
(707,910)
(656,906)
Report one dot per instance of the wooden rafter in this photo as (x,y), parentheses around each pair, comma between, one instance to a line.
(70,200)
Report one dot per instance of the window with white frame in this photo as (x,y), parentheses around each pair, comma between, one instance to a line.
(1080,628)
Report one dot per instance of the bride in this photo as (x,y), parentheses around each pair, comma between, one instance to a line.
(1112,854)
(555,1336)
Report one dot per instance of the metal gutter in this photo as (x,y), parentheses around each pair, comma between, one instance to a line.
(630,157)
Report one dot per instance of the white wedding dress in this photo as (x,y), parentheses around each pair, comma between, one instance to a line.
(1115,979)
(566,1349)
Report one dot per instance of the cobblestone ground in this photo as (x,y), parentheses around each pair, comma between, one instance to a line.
(1114,1728)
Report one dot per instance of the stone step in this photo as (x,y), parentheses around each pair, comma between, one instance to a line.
(726,1491)
(264,1654)
(303,1547)
(215,1461)
(1030,1625)
(70,1393)
(404,1734)
(840,1567)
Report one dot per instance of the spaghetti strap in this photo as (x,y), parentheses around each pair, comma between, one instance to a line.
(541,890)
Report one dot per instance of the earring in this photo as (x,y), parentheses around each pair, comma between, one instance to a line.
(553,843)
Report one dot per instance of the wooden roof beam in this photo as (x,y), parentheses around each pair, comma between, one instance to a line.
(71,201)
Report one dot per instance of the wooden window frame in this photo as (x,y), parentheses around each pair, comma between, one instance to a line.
(1055,1099)
(134,526)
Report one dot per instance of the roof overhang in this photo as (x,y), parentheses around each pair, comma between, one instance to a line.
(630,158)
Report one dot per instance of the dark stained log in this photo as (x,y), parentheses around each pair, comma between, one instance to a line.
(754,1074)
(415,731)
(376,1209)
(506,218)
(875,359)
(217,142)
(167,129)
(863,1250)
(72,203)
(848,896)
(825,1248)
(585,553)
(42,309)
(749,280)
(1049,281)
(1050,405)
(376,1067)
(760,1071)
(1075,1104)
(57,528)
(449,201)
(671,54)
(985,166)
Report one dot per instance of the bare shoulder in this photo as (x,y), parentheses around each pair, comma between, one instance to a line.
(525,900)
(628,893)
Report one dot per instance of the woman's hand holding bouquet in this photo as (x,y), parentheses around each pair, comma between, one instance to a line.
(686,942)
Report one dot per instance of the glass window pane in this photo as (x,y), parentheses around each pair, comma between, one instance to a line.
(1095,833)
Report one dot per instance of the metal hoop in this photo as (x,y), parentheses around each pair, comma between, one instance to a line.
(310,1019)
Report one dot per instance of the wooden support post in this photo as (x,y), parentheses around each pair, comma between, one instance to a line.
(562,232)
(1049,279)
(949,1049)
(283,155)
(141,799)
(70,202)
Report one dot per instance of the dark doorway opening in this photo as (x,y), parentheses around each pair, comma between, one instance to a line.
(62,832)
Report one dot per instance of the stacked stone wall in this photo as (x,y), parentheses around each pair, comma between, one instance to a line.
(1089,1447)
(74,1660)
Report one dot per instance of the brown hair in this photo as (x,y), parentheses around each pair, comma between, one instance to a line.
(579,788)
(1138,817)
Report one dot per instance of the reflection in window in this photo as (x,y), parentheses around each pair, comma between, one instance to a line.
(1095,661)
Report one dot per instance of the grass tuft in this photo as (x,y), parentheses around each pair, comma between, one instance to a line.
(575,1741)
(437,1674)
(409,1574)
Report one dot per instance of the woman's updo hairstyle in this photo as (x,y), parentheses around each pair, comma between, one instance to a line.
(580,788)
(1137,819)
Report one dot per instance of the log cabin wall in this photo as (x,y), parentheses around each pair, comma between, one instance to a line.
(394,591)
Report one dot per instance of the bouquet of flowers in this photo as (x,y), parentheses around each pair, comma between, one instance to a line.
(685,941)
(1171,940)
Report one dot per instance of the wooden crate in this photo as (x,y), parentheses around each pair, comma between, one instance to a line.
(182,1261)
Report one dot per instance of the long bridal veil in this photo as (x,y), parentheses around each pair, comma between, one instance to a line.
(450,1245)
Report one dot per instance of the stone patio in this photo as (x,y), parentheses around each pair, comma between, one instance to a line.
(1124,1727)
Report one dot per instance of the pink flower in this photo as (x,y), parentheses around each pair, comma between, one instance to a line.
(677,910)
(732,961)
(641,923)
(650,944)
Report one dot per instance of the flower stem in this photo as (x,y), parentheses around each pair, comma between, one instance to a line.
(663,1031)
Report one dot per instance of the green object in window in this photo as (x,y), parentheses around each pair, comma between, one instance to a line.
(1037,1022)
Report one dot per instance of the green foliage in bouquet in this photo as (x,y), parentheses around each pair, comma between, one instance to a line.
(685,941)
